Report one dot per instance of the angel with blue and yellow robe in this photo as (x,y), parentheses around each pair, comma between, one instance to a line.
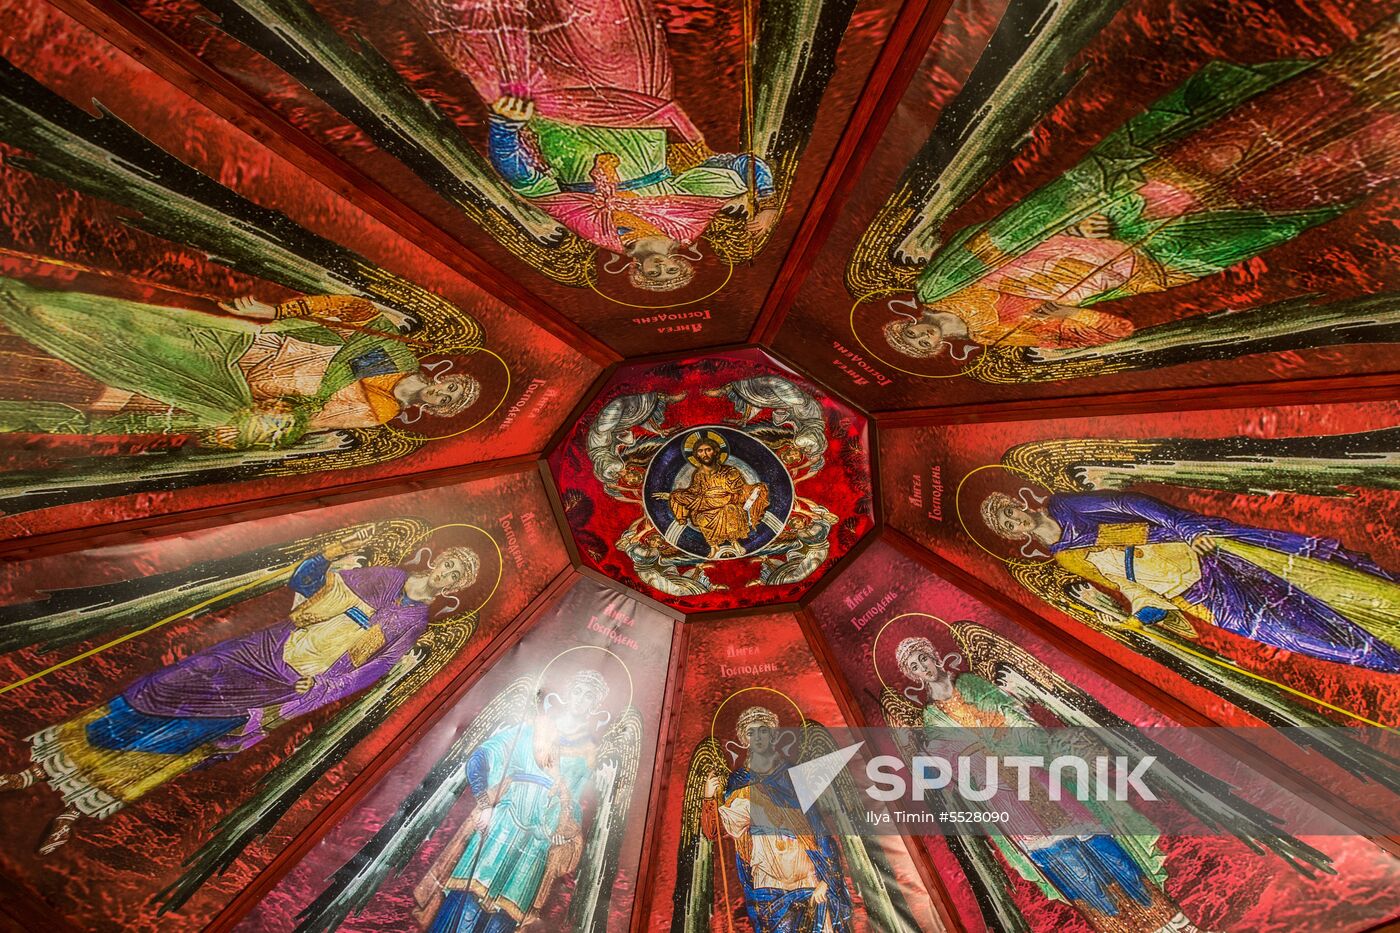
(794,871)
(1303,593)
(526,830)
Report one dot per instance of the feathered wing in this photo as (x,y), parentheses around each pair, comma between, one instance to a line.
(103,157)
(696,854)
(417,818)
(1020,76)
(86,479)
(357,82)
(1254,694)
(794,58)
(1209,799)
(621,749)
(66,616)
(865,861)
(976,854)
(1329,465)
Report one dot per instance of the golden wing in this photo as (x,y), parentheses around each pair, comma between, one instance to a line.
(1052,463)
(899,712)
(986,651)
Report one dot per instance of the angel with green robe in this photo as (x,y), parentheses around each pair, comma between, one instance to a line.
(1114,878)
(256,377)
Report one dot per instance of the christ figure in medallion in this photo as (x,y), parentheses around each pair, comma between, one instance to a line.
(720,502)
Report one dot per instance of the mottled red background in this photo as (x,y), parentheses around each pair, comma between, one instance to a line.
(1149,48)
(775,646)
(705,42)
(597,520)
(1363,521)
(103,878)
(38,217)
(1219,882)
(562,627)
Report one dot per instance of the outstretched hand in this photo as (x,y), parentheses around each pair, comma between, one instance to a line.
(248,306)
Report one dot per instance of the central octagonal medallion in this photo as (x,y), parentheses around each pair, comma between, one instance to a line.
(716,481)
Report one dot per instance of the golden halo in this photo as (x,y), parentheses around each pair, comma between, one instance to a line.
(715,440)
(908,372)
(474,425)
(729,274)
(500,558)
(957,508)
(875,645)
(625,669)
(718,709)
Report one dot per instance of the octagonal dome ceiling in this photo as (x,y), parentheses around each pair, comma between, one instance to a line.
(394,390)
(715,482)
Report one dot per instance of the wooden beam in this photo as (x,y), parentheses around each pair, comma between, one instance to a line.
(906,45)
(129,32)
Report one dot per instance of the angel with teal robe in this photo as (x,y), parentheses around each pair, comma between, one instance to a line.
(256,378)
(550,778)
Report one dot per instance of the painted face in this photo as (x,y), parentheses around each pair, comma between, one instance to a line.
(441,394)
(1014,521)
(582,698)
(447,574)
(923,667)
(924,335)
(762,739)
(705,452)
(663,269)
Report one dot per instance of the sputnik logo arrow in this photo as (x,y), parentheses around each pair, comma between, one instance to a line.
(811,778)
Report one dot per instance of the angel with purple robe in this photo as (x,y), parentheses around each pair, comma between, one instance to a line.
(1302,593)
(349,626)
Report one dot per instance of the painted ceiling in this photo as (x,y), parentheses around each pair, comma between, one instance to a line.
(391,392)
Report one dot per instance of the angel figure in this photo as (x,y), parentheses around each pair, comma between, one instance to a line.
(530,763)
(348,628)
(1302,593)
(255,377)
(1114,880)
(795,872)
(589,145)
(181,396)
(1238,160)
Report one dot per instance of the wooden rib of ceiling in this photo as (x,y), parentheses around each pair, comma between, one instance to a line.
(145,43)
